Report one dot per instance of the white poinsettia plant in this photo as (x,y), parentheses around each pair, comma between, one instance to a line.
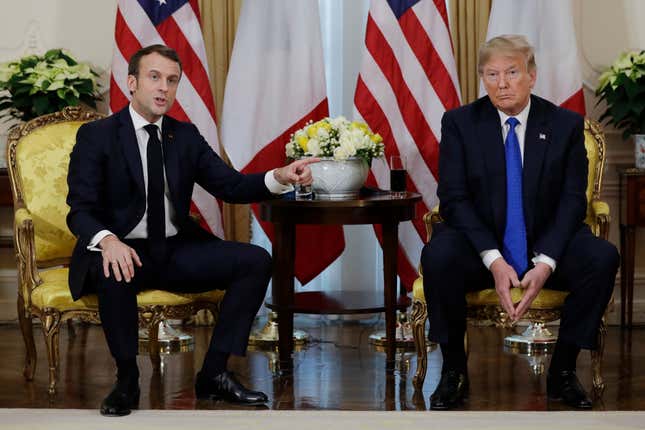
(337,138)
(35,85)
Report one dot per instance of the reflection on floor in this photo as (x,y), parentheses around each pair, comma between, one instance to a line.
(338,370)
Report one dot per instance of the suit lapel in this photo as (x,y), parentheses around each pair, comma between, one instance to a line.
(171,156)
(536,140)
(489,130)
(128,140)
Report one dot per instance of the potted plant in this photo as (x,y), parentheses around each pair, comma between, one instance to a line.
(622,87)
(36,85)
(346,149)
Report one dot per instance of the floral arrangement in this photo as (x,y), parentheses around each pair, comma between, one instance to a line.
(622,86)
(36,85)
(337,138)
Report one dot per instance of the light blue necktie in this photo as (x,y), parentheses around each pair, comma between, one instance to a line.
(514,251)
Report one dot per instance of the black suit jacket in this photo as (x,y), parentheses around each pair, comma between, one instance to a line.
(106,187)
(472,175)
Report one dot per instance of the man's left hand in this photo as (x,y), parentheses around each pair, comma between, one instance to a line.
(533,281)
(297,172)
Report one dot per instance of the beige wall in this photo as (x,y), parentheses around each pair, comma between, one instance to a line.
(86,28)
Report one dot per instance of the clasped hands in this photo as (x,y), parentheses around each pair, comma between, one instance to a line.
(506,278)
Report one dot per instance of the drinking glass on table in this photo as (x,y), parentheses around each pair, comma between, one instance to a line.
(398,176)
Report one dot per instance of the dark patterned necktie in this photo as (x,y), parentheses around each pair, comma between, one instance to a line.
(156,212)
(514,251)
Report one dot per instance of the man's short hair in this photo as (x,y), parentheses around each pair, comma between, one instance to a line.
(163,50)
(507,44)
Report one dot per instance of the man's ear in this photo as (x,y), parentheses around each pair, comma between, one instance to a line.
(132,83)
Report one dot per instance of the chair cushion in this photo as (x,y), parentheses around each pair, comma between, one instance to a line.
(546,299)
(42,159)
(54,292)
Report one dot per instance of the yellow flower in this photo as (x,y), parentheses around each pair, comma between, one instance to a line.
(361,125)
(376,138)
(312,130)
(302,141)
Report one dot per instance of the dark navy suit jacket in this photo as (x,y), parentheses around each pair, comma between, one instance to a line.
(472,171)
(106,186)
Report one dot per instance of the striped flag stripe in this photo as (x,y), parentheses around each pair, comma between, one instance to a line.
(407,81)
(377,96)
(396,50)
(434,20)
(429,59)
(411,113)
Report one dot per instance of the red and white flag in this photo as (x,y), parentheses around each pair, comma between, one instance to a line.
(174,23)
(408,79)
(275,85)
(548,26)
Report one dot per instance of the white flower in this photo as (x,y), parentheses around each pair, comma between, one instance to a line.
(337,138)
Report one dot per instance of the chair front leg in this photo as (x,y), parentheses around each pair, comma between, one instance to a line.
(419,317)
(50,323)
(596,360)
(26,326)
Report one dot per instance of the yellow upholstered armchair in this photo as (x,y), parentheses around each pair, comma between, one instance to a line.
(38,155)
(483,306)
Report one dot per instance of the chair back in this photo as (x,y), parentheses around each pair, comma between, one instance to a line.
(595,146)
(38,154)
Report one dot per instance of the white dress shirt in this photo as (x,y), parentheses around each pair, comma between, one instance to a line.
(490,255)
(140,231)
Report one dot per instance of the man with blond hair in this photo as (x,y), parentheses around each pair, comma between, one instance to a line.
(512,181)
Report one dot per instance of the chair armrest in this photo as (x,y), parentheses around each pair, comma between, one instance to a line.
(601,218)
(24,243)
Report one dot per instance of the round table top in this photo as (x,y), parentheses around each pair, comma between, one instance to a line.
(373,207)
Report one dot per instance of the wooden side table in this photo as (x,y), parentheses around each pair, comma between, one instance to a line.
(376,209)
(632,215)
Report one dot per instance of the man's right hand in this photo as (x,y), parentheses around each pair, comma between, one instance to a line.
(119,257)
(505,278)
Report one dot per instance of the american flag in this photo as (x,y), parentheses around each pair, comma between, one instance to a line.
(174,23)
(408,79)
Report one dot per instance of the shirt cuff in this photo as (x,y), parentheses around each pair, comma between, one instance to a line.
(489,255)
(543,258)
(94,243)
(274,186)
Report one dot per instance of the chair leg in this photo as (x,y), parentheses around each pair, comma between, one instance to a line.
(596,360)
(419,317)
(153,344)
(51,324)
(26,326)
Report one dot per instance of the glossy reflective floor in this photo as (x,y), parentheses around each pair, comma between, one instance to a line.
(338,370)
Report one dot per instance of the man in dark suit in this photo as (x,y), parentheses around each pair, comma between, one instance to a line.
(512,180)
(131,178)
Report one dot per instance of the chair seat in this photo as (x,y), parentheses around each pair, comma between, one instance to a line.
(54,293)
(546,299)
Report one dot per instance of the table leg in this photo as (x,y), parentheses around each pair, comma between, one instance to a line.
(283,289)
(390,253)
(628,262)
(623,275)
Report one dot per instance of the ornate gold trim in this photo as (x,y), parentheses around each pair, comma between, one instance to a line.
(419,315)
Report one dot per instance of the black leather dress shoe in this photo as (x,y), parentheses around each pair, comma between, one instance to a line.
(226,387)
(565,386)
(450,392)
(121,400)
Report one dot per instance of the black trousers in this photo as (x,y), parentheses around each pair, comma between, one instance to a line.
(191,265)
(452,267)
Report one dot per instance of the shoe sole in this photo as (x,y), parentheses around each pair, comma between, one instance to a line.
(235,402)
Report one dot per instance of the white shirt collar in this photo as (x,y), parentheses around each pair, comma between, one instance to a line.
(522,117)
(139,122)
